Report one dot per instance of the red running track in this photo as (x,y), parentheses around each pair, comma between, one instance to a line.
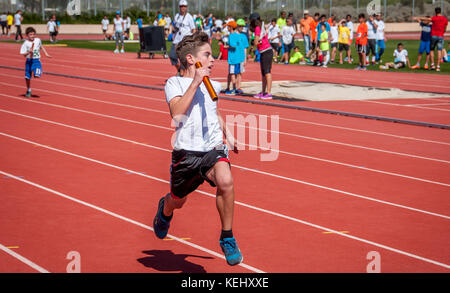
(383,184)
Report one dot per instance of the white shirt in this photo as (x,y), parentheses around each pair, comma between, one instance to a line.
(118,25)
(272,32)
(26,46)
(218,23)
(127,22)
(400,56)
(3,17)
(51,26)
(105,23)
(380,29)
(287,33)
(200,128)
(17,20)
(334,34)
(168,21)
(371,31)
(350,27)
(185,24)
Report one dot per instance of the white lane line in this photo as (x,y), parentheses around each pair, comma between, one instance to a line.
(18,256)
(400,105)
(233,111)
(283,152)
(244,168)
(126,219)
(279,132)
(411,255)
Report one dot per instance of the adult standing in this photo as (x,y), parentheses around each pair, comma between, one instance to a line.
(305,27)
(372,28)
(183,26)
(119,28)
(381,37)
(18,23)
(3,18)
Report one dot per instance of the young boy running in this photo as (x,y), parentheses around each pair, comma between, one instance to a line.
(199,153)
(31,50)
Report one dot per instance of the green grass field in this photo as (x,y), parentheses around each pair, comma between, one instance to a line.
(411,45)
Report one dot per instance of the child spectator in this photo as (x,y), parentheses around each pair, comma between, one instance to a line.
(105,24)
(344,40)
(287,35)
(297,57)
(361,42)
(334,33)
(401,59)
(324,45)
(236,57)
(274,36)
(425,40)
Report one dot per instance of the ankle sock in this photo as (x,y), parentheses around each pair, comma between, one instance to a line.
(226,234)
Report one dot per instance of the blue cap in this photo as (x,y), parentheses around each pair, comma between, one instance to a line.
(117,12)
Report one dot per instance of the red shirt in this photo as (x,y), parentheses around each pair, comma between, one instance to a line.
(439,23)
(224,52)
(361,39)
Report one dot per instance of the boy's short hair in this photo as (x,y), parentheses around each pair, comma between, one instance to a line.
(437,10)
(400,44)
(273,20)
(190,45)
(30,30)
(362,15)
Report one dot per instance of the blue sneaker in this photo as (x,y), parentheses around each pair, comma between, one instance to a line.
(161,226)
(231,251)
(230,92)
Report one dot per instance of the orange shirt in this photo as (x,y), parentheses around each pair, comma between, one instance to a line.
(306,25)
(330,21)
(313,25)
(361,38)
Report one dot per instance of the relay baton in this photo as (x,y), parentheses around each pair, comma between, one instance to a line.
(208,84)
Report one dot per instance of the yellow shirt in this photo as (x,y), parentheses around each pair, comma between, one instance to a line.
(162,21)
(9,19)
(344,34)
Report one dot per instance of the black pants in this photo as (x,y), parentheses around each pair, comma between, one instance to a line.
(19,32)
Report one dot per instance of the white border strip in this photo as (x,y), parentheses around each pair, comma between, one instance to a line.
(18,256)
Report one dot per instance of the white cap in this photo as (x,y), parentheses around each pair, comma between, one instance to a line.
(306,12)
(182,3)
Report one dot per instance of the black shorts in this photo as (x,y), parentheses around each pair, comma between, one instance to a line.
(362,49)
(188,169)
(53,34)
(334,45)
(343,47)
(266,62)
(372,46)
(288,47)
(275,46)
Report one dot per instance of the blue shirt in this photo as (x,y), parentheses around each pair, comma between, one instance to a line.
(236,53)
(139,22)
(319,28)
(426,32)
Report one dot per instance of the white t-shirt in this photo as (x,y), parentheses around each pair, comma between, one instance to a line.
(371,31)
(3,17)
(350,27)
(218,23)
(334,34)
(400,56)
(51,26)
(200,129)
(127,22)
(105,23)
(272,32)
(168,21)
(185,24)
(26,46)
(380,29)
(118,25)
(17,20)
(287,33)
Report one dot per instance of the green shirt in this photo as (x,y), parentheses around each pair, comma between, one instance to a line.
(281,22)
(324,45)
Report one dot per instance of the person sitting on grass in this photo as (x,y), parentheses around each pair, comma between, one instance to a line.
(297,57)
(425,42)
(401,59)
